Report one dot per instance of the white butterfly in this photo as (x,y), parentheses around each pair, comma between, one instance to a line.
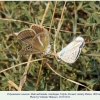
(71,52)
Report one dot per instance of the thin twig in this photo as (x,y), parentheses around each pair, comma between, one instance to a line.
(20,65)
(95,55)
(16,20)
(5,19)
(47,7)
(52,17)
(75,20)
(56,32)
(39,75)
(11,83)
(42,60)
(23,78)
(92,42)
(67,78)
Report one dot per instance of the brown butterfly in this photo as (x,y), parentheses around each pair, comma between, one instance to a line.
(37,40)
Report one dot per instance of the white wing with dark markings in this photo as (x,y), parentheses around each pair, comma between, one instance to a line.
(71,52)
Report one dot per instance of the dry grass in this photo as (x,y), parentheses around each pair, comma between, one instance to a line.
(64,20)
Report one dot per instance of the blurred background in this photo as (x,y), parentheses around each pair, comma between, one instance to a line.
(64,21)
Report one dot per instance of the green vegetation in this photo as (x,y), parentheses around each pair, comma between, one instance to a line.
(64,20)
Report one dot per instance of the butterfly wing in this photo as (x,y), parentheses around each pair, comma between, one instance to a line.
(71,56)
(36,46)
(26,36)
(72,51)
(37,39)
(39,29)
(41,40)
(29,49)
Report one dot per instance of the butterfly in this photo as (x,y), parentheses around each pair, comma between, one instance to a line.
(37,40)
(71,52)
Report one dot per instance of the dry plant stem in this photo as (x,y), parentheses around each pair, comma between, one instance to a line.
(47,7)
(19,65)
(75,20)
(39,75)
(30,6)
(12,84)
(67,78)
(61,30)
(23,79)
(52,17)
(92,42)
(16,20)
(33,24)
(95,55)
(58,29)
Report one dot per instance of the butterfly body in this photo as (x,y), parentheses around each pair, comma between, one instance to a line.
(71,52)
(36,38)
